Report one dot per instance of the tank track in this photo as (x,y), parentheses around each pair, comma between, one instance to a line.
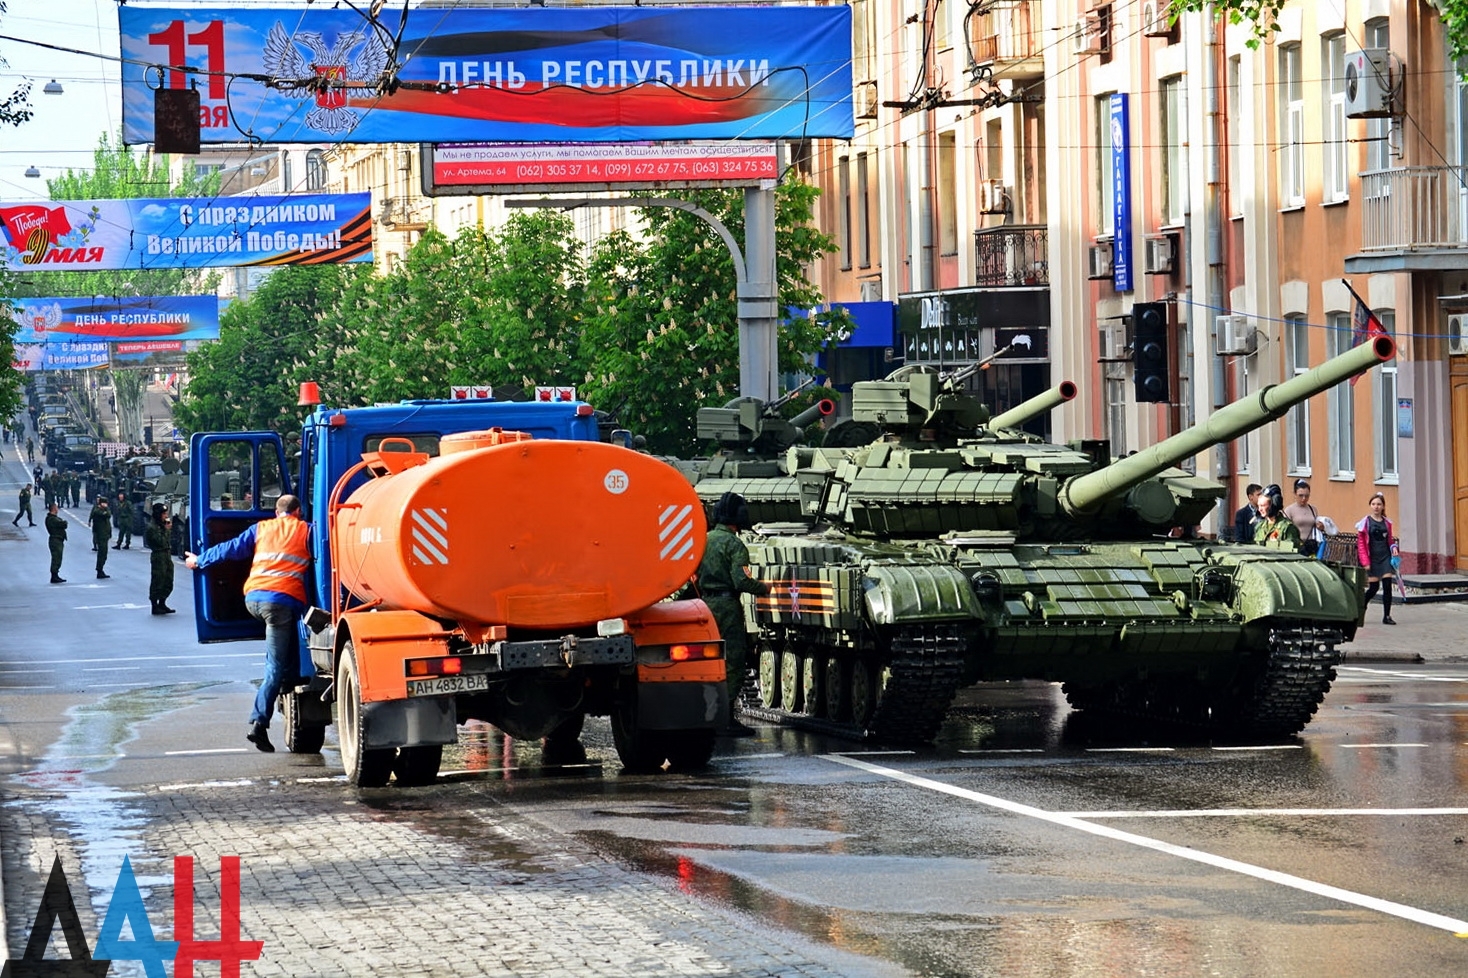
(924,673)
(1277,699)
(1297,675)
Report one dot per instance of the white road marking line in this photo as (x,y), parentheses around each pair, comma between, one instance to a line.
(1003,750)
(125,606)
(1241,812)
(1356,746)
(1394,674)
(32,664)
(215,750)
(1129,750)
(239,783)
(325,780)
(752,757)
(877,753)
(111,669)
(1270,747)
(1458,928)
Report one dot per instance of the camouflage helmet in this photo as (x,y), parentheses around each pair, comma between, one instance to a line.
(732,509)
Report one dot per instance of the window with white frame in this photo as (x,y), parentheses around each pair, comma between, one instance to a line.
(1292,128)
(1333,92)
(863,43)
(1235,124)
(1105,170)
(1174,151)
(1385,399)
(1118,407)
(1340,401)
(1378,146)
(1297,422)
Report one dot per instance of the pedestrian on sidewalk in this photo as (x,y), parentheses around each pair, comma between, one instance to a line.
(25,507)
(56,540)
(279,552)
(101,520)
(124,519)
(1247,515)
(1306,519)
(159,542)
(1376,546)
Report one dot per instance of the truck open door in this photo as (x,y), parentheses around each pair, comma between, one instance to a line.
(235,479)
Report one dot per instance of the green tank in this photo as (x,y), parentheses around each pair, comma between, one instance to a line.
(954,549)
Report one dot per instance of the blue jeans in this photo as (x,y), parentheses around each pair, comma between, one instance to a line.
(281,660)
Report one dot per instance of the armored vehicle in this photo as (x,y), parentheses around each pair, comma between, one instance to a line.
(953,550)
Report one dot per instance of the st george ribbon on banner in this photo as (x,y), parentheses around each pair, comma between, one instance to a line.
(532,74)
(185,232)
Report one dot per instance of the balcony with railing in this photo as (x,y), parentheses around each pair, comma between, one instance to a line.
(1413,219)
(1008,38)
(1012,255)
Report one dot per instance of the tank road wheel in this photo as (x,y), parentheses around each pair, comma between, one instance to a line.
(864,689)
(365,768)
(835,689)
(301,736)
(813,684)
(791,668)
(769,675)
(417,766)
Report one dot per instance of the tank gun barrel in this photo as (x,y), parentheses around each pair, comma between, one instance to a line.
(1035,406)
(772,408)
(820,409)
(1083,494)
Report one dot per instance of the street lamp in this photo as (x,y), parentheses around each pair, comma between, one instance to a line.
(53,87)
(32,172)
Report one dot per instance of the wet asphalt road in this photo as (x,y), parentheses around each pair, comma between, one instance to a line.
(1029,841)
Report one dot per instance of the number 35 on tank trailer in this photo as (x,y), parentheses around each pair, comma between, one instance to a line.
(472,560)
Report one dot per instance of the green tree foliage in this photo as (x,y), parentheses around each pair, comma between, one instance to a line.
(1262,14)
(250,379)
(646,327)
(15,108)
(663,314)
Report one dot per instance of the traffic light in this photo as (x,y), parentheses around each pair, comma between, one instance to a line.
(1149,350)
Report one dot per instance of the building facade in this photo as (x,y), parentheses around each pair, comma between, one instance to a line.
(1104,155)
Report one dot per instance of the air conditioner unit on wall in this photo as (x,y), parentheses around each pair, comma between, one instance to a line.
(993,198)
(1458,334)
(1100,260)
(1368,83)
(1155,20)
(866,100)
(871,290)
(1115,345)
(1234,336)
(1087,38)
(1161,254)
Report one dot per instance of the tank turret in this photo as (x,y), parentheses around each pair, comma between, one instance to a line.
(752,436)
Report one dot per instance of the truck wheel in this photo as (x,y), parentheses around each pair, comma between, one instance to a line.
(365,768)
(689,750)
(300,737)
(640,751)
(418,766)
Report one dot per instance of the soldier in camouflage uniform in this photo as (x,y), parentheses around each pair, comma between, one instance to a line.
(101,520)
(721,579)
(159,543)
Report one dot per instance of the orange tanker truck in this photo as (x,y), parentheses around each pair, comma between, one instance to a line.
(485,575)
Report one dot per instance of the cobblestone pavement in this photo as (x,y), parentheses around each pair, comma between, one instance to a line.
(441,882)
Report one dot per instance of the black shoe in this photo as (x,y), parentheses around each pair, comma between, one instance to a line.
(127,546)
(157,607)
(57,580)
(103,577)
(737,729)
(260,738)
(167,610)
(1388,620)
(117,546)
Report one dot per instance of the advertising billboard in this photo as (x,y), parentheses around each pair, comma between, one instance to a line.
(185,232)
(144,320)
(502,168)
(533,74)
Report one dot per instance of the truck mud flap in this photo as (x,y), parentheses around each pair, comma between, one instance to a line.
(682,706)
(410,723)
